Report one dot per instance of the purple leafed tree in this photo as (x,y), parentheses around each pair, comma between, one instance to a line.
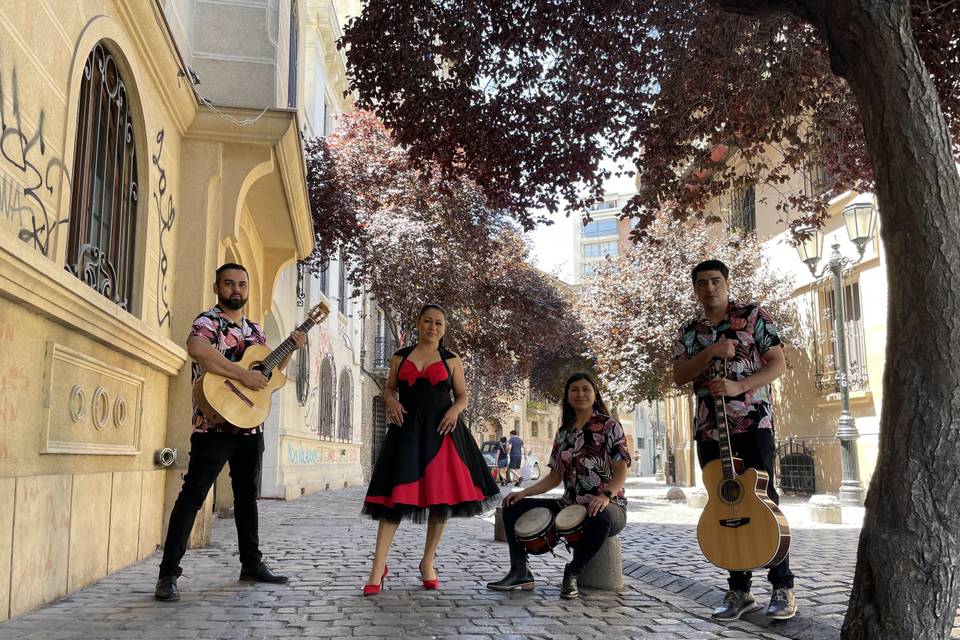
(526,97)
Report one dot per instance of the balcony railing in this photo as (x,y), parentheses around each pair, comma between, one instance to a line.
(383,348)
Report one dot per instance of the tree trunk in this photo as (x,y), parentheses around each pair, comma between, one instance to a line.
(907,582)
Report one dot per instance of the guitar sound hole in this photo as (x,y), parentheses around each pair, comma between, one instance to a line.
(730,491)
(259,367)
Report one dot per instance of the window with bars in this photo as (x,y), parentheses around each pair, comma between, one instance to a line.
(743,209)
(817,180)
(342,288)
(534,429)
(326,399)
(325,278)
(294,55)
(103,202)
(345,431)
(825,340)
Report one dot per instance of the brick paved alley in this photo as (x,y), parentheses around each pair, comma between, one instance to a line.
(325,546)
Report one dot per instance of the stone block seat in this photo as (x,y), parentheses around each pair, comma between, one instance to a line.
(605,570)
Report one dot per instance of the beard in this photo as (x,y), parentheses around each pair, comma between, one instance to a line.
(234,303)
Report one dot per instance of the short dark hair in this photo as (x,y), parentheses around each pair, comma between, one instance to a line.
(710,265)
(230,266)
(512,432)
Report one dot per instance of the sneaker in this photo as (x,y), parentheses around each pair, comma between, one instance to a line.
(783,604)
(735,604)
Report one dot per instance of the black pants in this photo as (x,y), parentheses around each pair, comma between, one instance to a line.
(757,448)
(208,453)
(596,530)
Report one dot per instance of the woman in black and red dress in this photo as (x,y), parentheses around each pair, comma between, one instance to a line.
(430,467)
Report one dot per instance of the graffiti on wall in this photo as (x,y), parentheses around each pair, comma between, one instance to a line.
(166,213)
(31,177)
(307,455)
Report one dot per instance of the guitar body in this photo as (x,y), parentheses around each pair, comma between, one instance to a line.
(223,399)
(740,528)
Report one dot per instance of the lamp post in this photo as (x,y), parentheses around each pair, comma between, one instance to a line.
(860,220)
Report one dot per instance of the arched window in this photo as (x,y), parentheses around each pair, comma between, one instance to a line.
(103,202)
(326,399)
(345,432)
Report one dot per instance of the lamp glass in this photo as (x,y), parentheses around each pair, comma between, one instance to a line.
(861,220)
(810,248)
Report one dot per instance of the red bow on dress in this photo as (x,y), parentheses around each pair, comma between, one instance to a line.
(434,373)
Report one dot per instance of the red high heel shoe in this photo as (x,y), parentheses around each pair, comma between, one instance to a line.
(429,584)
(374,589)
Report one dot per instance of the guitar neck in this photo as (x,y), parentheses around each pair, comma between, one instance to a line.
(723,430)
(284,349)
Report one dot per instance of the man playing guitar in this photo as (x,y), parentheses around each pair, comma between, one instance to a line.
(217,341)
(746,336)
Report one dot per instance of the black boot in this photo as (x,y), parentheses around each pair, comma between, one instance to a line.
(518,578)
(569,588)
(166,590)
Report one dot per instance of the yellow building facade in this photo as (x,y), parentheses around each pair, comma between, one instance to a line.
(806,397)
(121,193)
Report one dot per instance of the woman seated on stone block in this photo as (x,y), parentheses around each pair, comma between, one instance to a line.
(590,457)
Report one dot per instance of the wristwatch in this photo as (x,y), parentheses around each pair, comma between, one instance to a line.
(607,493)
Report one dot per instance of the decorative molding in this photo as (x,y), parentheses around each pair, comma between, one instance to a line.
(117,399)
(37,283)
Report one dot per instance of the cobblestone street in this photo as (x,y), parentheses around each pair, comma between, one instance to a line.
(325,546)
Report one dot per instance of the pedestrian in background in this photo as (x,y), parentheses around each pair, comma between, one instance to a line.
(516,456)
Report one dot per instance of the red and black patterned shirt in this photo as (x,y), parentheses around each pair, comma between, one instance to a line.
(231,339)
(754,333)
(584,458)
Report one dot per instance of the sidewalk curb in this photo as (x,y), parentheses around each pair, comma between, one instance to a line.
(799,628)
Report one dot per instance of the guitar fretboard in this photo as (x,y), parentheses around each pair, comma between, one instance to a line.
(723,429)
(284,349)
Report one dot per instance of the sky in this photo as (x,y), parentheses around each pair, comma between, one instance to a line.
(553,245)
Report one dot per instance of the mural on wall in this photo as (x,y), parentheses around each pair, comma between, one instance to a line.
(166,213)
(28,174)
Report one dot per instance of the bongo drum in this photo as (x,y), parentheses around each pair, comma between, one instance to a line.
(569,523)
(534,530)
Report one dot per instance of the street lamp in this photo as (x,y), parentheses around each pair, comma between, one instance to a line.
(860,219)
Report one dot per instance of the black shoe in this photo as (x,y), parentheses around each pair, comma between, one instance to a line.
(166,590)
(783,604)
(735,604)
(569,588)
(261,573)
(518,578)
(518,483)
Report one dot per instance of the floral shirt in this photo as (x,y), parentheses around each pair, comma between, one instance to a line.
(230,339)
(755,333)
(584,459)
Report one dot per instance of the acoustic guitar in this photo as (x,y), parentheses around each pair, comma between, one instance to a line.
(740,529)
(223,399)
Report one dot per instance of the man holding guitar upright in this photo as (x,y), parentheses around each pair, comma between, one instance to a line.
(746,337)
(217,341)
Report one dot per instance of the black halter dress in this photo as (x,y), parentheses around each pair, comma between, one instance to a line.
(418,469)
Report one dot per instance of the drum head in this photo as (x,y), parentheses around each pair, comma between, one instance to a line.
(533,522)
(571,517)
